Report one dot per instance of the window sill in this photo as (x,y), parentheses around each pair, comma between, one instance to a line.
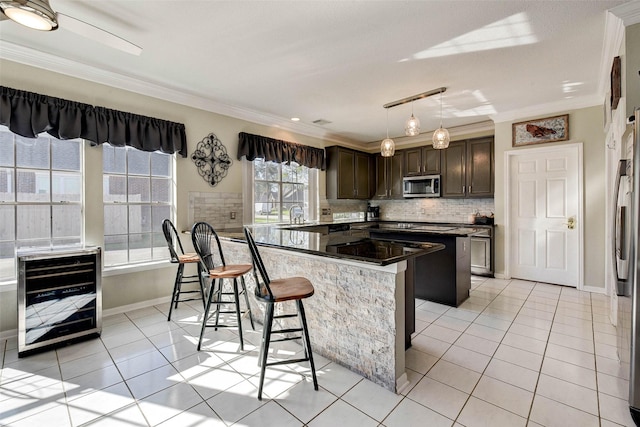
(134,268)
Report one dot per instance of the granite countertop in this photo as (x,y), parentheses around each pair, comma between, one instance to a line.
(450,229)
(440,229)
(340,244)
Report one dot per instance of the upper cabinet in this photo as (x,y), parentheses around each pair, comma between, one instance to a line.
(389,176)
(480,167)
(421,161)
(468,168)
(348,174)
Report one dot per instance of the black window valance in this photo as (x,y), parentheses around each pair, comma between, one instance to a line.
(275,150)
(28,114)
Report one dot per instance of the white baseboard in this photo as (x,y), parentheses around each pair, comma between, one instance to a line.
(5,335)
(594,289)
(135,306)
(402,383)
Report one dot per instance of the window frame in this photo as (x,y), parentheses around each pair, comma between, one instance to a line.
(157,240)
(248,193)
(52,173)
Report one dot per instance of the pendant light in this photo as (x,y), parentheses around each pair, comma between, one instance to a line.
(441,135)
(388,147)
(412,127)
(36,14)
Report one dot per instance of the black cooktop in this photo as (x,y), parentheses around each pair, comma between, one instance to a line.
(377,249)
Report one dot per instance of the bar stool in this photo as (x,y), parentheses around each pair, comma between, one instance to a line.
(203,236)
(274,291)
(174,244)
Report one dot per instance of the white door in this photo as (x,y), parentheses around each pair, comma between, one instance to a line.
(545,214)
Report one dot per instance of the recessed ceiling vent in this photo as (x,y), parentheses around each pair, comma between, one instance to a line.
(321,122)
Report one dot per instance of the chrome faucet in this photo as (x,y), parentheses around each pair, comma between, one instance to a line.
(296,215)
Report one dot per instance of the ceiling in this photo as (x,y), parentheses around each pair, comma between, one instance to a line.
(338,61)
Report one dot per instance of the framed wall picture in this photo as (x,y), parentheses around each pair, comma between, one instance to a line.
(616,83)
(539,131)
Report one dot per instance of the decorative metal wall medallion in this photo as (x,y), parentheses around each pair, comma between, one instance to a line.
(211,159)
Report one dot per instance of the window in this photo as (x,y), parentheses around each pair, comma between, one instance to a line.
(41,195)
(279,187)
(137,194)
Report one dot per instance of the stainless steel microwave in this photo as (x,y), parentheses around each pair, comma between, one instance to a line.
(421,186)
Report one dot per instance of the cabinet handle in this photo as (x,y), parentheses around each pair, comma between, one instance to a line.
(463,187)
(469,189)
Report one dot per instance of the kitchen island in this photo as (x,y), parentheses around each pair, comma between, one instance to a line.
(357,315)
(445,277)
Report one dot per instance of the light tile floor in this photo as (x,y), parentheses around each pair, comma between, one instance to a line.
(516,353)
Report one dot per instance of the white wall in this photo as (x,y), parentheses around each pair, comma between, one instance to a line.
(586,126)
(124,289)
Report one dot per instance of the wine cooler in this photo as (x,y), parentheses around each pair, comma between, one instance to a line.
(59,298)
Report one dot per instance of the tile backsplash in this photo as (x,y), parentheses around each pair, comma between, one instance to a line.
(435,209)
(215,208)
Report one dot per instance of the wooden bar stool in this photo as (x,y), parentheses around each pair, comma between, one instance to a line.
(274,291)
(174,244)
(204,236)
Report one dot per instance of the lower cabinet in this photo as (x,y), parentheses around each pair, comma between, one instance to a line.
(443,276)
(481,255)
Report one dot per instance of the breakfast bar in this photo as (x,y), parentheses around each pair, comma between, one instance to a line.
(357,315)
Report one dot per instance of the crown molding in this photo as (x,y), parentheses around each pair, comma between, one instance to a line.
(548,108)
(629,12)
(613,37)
(34,58)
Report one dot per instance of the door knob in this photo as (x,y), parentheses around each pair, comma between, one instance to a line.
(571,223)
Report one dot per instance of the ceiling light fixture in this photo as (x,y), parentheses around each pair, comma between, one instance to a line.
(412,127)
(388,147)
(441,135)
(36,14)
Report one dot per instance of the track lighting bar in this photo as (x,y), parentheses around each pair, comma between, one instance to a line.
(414,97)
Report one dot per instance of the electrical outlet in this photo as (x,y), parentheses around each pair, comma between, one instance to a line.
(232,215)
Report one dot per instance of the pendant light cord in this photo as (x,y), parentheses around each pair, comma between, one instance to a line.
(440,108)
(387,123)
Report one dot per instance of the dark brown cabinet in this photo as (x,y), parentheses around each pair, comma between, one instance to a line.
(348,174)
(468,168)
(453,170)
(421,161)
(389,176)
(480,168)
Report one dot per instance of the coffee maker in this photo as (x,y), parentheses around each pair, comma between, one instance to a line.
(373,213)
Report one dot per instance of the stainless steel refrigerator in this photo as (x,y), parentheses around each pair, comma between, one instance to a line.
(627,262)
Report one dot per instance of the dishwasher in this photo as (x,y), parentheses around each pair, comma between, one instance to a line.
(482,252)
